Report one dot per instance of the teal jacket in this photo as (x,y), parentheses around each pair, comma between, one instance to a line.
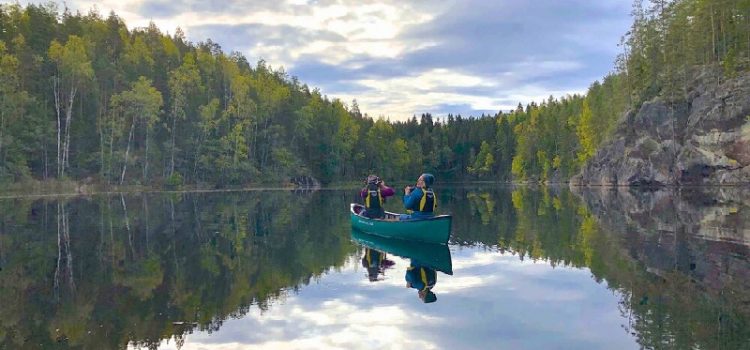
(412,201)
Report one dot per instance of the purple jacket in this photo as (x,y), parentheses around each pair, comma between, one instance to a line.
(385,191)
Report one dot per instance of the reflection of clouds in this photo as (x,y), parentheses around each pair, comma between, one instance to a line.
(459,283)
(492,300)
(478,259)
(337,326)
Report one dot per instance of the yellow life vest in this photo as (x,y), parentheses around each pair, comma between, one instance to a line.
(428,202)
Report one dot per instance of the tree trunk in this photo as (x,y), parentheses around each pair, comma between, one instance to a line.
(723,32)
(174,129)
(100,130)
(197,156)
(127,151)
(145,166)
(101,152)
(111,149)
(68,119)
(44,147)
(252,152)
(2,128)
(56,91)
(713,35)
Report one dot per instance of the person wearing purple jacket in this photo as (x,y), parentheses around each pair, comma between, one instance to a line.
(374,195)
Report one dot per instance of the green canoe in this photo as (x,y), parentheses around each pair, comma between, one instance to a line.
(436,256)
(436,229)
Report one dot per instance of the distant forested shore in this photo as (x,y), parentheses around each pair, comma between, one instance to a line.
(85,100)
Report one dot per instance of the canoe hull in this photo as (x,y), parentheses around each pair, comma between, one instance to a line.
(431,230)
(436,256)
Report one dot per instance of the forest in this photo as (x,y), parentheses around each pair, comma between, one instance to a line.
(84,98)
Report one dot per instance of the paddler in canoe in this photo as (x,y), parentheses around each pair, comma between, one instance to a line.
(420,200)
(374,194)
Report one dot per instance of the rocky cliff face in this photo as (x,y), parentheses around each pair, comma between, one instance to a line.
(703,140)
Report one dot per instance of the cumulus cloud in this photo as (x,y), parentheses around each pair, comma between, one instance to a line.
(403,58)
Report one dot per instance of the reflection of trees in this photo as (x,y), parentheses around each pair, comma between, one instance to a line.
(143,263)
(482,204)
(685,286)
(154,267)
(64,268)
(679,288)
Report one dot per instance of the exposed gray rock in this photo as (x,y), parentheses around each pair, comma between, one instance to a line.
(703,140)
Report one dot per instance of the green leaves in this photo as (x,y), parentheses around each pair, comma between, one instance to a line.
(217,120)
(484,162)
(72,59)
(586,133)
(13,111)
(142,102)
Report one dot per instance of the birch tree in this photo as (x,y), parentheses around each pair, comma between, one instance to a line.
(139,104)
(72,71)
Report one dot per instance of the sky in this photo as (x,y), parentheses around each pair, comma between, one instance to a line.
(402,58)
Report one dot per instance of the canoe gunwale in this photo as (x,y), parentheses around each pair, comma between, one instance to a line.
(393,215)
(434,229)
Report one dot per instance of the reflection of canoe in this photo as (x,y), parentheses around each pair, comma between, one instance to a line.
(436,229)
(436,256)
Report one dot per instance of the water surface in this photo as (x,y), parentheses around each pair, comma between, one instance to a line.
(531,268)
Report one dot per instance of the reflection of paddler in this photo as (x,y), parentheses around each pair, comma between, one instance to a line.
(421,278)
(375,262)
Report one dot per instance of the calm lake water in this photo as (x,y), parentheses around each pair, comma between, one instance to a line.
(526,268)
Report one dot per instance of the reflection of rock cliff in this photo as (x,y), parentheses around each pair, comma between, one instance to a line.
(703,140)
(701,233)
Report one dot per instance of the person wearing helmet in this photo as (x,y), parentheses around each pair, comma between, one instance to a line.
(374,194)
(420,199)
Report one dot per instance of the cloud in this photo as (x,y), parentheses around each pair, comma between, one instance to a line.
(491,297)
(403,58)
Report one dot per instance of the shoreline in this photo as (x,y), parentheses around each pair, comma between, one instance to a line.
(66,188)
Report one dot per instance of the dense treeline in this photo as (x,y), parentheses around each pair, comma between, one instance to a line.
(668,39)
(663,50)
(82,97)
